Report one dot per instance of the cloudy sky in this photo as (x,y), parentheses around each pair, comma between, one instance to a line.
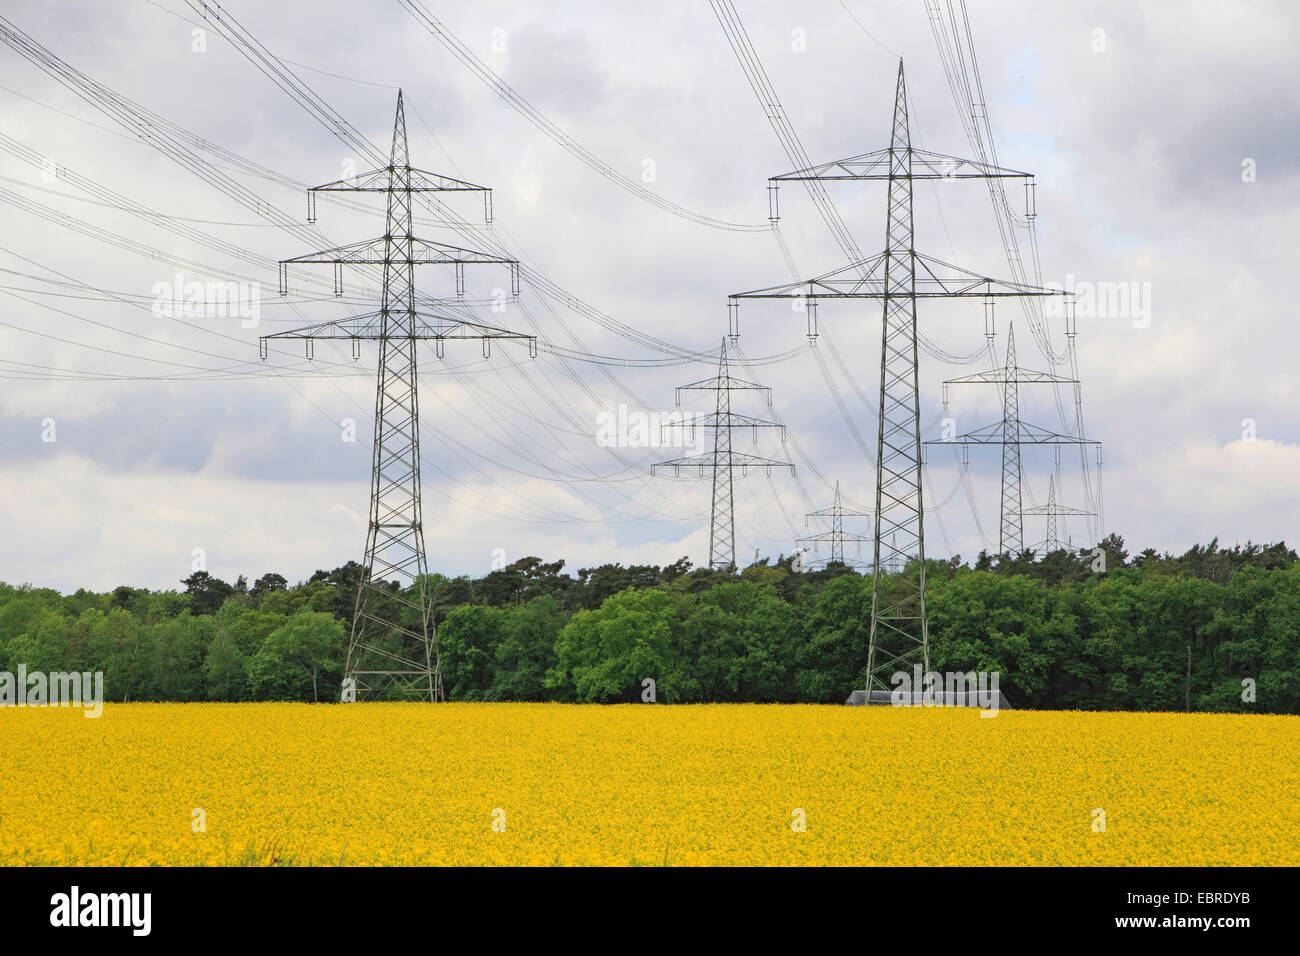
(1163,138)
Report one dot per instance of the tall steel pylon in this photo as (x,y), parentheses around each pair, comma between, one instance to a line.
(723,461)
(393,646)
(1011,524)
(837,535)
(898,277)
(1052,510)
(898,620)
(1012,433)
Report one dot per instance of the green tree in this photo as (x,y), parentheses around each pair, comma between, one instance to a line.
(225,674)
(206,593)
(743,639)
(43,644)
(310,642)
(467,643)
(526,651)
(833,660)
(605,654)
(267,584)
(121,647)
(994,624)
(176,661)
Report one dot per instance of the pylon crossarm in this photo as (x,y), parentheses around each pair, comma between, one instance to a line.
(728,420)
(866,279)
(1036,434)
(1018,376)
(377,252)
(925,165)
(377,180)
(427,327)
(735,459)
(950,279)
(1029,435)
(834,512)
(1058,510)
(728,382)
(870,270)
(835,535)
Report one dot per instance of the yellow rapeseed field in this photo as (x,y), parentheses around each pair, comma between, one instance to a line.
(642,784)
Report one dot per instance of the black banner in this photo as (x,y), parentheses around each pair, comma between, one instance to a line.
(939,907)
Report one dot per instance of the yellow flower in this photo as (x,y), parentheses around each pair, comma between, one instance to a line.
(641,784)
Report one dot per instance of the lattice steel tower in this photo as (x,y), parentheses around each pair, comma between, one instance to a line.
(837,536)
(723,462)
(1052,510)
(897,277)
(1012,433)
(393,647)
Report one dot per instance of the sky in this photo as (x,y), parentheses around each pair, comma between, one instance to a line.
(136,447)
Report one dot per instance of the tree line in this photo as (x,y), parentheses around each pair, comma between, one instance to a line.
(1215,629)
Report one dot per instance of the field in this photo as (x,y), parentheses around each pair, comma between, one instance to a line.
(259,784)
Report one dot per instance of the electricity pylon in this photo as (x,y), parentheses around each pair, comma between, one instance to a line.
(1012,433)
(723,462)
(393,647)
(1052,542)
(837,535)
(898,277)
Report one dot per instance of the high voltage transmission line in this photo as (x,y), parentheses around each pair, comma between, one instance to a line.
(304,96)
(275,69)
(723,461)
(466,56)
(1051,511)
(157,122)
(1011,433)
(979,131)
(955,43)
(268,64)
(836,537)
(394,641)
(898,277)
(170,139)
(761,84)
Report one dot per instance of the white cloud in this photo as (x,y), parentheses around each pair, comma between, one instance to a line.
(1138,152)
